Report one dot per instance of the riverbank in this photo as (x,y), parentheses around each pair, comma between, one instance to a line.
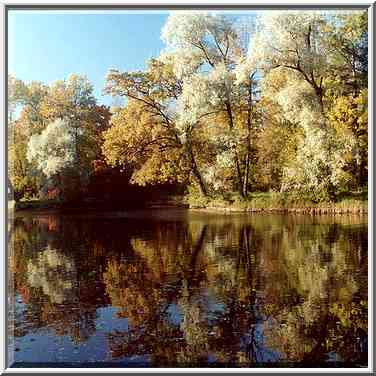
(277,202)
(311,210)
(255,202)
(55,205)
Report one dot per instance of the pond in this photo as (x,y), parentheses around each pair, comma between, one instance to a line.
(179,288)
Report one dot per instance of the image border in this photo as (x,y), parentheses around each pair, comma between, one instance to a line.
(7,6)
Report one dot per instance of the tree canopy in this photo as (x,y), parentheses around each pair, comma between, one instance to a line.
(232,104)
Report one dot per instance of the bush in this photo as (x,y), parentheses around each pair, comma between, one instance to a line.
(195,199)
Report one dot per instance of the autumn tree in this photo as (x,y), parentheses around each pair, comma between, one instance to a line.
(231,104)
(42,110)
(23,176)
(17,93)
(25,99)
(349,117)
(73,101)
(162,155)
(139,142)
(347,89)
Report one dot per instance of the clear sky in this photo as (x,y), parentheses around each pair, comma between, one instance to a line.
(48,46)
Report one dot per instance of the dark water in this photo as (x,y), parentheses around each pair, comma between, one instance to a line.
(176,288)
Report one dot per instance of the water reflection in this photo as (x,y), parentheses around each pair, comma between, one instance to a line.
(185,289)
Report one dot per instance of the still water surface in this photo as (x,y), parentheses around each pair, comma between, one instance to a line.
(170,288)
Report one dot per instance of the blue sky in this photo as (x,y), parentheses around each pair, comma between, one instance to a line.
(48,46)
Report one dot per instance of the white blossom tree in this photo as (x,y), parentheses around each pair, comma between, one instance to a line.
(293,40)
(220,79)
(296,42)
(53,150)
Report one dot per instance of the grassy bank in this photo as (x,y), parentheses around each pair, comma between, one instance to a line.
(278,202)
(34,204)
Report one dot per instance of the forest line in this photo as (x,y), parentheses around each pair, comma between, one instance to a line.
(232,106)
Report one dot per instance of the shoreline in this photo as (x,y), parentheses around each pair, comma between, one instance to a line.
(310,211)
(209,209)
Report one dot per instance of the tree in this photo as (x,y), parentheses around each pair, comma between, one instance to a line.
(23,176)
(349,117)
(347,36)
(296,43)
(70,102)
(223,78)
(17,93)
(318,169)
(138,142)
(276,144)
(53,149)
(232,104)
(30,98)
(154,91)
(73,101)
(294,40)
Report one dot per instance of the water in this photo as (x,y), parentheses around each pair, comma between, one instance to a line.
(173,288)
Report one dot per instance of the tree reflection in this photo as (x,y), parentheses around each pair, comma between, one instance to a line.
(56,294)
(323,273)
(45,272)
(232,291)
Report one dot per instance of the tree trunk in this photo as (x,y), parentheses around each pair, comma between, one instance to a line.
(196,249)
(362,171)
(248,156)
(10,192)
(196,172)
(236,158)
(246,175)
(319,94)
